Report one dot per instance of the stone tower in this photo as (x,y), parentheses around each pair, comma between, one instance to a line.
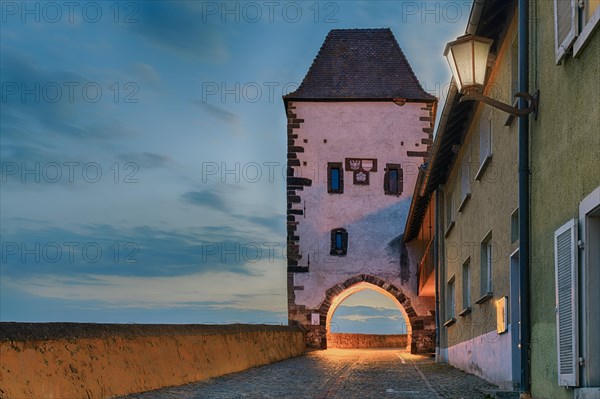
(359,127)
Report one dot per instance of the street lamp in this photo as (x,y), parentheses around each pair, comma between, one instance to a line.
(468,56)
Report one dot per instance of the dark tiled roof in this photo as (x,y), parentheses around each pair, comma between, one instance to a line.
(360,64)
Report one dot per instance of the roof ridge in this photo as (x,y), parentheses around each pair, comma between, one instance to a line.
(357,29)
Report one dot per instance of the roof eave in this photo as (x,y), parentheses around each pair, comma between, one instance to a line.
(424,190)
(355,99)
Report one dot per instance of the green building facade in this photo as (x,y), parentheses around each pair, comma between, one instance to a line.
(564,207)
(565,199)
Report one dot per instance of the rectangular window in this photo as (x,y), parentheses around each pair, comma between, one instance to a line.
(488,266)
(450,315)
(589,10)
(514,226)
(339,242)
(485,141)
(393,183)
(565,27)
(589,295)
(465,181)
(393,179)
(466,288)
(577,277)
(335,178)
(574,23)
(487,257)
(590,15)
(450,211)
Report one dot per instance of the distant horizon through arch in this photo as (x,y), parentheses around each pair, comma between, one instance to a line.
(337,294)
(381,314)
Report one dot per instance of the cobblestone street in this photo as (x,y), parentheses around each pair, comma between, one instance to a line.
(338,373)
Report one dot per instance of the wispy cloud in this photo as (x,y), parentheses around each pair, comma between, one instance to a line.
(217,112)
(41,104)
(364,318)
(211,289)
(368,320)
(369,299)
(274,223)
(104,249)
(147,73)
(206,198)
(146,160)
(180,27)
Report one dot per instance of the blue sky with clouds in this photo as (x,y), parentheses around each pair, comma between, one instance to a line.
(143,150)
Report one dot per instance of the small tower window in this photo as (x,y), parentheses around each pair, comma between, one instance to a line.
(335,178)
(393,183)
(339,242)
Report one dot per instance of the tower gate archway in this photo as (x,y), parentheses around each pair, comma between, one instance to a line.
(393,294)
(355,144)
(420,330)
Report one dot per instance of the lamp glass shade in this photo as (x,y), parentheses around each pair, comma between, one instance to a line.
(467,57)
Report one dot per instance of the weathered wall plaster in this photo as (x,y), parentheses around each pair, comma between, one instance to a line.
(106,362)
(565,168)
(352,341)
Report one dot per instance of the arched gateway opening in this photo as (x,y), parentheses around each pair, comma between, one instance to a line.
(419,335)
(380,339)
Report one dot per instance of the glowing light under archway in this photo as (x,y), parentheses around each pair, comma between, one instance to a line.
(361,286)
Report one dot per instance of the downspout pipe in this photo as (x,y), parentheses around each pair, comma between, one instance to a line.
(524,244)
(436,270)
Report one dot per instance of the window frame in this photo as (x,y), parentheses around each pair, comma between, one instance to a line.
(486,268)
(450,204)
(465,181)
(589,208)
(449,310)
(330,167)
(335,250)
(586,29)
(466,287)
(579,31)
(562,48)
(514,226)
(399,179)
(485,158)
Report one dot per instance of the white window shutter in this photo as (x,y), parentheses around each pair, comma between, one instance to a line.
(565,27)
(567,335)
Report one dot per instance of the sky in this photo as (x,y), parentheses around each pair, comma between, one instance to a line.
(143,149)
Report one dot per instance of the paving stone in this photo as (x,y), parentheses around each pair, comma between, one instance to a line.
(338,374)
